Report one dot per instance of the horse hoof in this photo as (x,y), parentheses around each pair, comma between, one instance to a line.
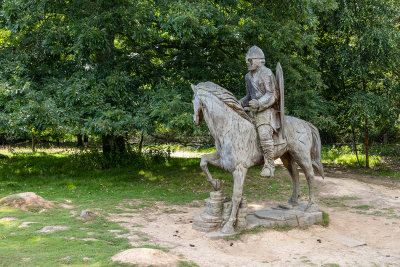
(216,184)
(267,172)
(228,230)
(312,207)
(293,202)
(285,206)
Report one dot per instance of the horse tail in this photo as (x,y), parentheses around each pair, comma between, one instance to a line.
(316,151)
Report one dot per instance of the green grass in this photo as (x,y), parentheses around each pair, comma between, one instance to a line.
(344,155)
(26,247)
(336,201)
(82,179)
(383,159)
(382,170)
(187,264)
(362,207)
(325,219)
(75,177)
(56,178)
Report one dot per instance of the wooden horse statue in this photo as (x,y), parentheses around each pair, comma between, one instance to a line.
(238,147)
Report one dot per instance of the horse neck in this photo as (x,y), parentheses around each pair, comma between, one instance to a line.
(219,117)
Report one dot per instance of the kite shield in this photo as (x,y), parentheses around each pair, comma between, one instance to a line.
(279,79)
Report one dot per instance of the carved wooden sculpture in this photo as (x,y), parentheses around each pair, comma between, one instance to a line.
(238,147)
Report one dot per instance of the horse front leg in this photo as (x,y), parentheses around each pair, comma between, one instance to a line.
(214,160)
(239,174)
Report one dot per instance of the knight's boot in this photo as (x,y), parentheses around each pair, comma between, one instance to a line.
(268,151)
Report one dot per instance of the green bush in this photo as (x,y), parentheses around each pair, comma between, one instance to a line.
(345,155)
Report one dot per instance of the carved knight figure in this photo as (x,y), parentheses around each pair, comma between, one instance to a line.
(262,98)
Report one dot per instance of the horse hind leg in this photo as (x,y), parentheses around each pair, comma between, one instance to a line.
(212,159)
(290,164)
(306,165)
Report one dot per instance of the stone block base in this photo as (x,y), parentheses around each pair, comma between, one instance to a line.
(296,217)
(218,210)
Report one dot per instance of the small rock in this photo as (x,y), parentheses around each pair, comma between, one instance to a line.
(231,244)
(25,224)
(82,239)
(191,245)
(9,219)
(319,240)
(85,214)
(388,256)
(24,201)
(114,231)
(88,239)
(66,206)
(91,233)
(53,228)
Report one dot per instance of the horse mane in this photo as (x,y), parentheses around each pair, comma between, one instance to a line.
(226,97)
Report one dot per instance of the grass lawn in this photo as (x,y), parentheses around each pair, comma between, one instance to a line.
(65,177)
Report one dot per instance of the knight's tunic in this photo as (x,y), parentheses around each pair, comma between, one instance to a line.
(263,87)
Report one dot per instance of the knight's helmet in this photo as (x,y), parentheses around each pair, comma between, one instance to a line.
(255,52)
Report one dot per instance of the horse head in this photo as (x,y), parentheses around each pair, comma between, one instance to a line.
(197,106)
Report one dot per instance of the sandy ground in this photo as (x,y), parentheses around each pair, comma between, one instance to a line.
(379,227)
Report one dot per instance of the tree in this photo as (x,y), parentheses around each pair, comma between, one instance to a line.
(359,46)
(113,68)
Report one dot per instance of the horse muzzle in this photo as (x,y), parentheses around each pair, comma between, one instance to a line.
(197,120)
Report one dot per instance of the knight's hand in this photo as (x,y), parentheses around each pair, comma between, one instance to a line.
(254,105)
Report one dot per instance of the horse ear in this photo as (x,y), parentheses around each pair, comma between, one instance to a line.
(194,88)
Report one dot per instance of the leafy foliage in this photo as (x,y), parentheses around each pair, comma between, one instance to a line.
(124,67)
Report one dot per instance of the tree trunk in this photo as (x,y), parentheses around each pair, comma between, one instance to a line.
(80,140)
(355,145)
(385,138)
(141,143)
(113,144)
(120,145)
(364,86)
(85,138)
(366,145)
(33,144)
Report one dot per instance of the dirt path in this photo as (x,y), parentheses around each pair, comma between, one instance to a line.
(359,212)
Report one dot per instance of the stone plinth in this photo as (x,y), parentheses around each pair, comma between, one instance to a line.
(217,212)
(219,207)
(275,216)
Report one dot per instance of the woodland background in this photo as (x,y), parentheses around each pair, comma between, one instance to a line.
(119,72)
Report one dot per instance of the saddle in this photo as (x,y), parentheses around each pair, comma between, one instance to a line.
(278,136)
